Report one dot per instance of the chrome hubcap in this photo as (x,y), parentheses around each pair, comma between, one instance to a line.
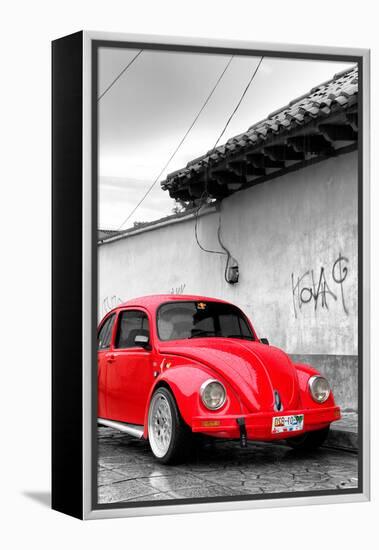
(160,425)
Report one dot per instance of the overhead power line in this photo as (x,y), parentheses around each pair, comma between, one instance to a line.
(239,102)
(119,75)
(178,147)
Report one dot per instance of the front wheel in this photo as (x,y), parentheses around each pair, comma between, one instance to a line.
(169,437)
(309,441)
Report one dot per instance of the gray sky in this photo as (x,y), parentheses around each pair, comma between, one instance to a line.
(146,113)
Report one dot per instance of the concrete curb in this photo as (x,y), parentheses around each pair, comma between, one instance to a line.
(344,433)
(343,439)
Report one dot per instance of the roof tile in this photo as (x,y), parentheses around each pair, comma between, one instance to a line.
(339,93)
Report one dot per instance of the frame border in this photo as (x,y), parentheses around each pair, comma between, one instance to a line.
(91,42)
(66,419)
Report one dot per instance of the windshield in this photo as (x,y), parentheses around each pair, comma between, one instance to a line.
(182,320)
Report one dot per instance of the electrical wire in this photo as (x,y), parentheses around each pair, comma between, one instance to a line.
(230,257)
(119,75)
(203,198)
(205,194)
(224,251)
(239,102)
(178,147)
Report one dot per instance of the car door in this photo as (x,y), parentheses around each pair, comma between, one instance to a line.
(130,373)
(104,340)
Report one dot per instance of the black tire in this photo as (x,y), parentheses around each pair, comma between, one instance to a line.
(179,448)
(309,441)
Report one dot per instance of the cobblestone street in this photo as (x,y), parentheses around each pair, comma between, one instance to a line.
(128,471)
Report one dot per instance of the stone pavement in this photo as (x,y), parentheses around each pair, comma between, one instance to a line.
(128,472)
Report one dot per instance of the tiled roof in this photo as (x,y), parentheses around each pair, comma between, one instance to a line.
(327,101)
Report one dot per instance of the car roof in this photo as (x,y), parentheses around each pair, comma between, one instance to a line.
(155,300)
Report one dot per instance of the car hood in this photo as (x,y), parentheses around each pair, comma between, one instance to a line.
(254,370)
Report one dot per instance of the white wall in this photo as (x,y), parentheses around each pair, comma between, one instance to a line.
(286,227)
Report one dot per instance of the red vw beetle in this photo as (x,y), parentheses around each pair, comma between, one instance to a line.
(171,366)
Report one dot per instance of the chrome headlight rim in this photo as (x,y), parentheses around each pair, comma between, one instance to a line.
(203,387)
(311,384)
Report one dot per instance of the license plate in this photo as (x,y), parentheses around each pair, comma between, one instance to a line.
(291,423)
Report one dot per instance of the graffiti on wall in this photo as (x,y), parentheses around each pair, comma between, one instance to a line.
(320,288)
(178,290)
(109,302)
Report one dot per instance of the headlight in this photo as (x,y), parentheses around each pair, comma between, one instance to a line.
(319,388)
(213,394)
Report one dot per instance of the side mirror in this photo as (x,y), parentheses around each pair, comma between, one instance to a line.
(264,341)
(141,340)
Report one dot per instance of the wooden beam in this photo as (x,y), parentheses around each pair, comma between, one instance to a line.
(253,171)
(338,132)
(244,169)
(237,167)
(262,161)
(224,177)
(217,190)
(353,120)
(234,186)
(196,189)
(181,194)
(314,144)
(282,153)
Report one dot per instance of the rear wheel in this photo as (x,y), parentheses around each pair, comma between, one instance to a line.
(169,437)
(309,441)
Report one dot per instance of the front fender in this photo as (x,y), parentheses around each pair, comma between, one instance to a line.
(185,381)
(304,373)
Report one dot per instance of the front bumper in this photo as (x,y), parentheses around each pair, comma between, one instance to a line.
(259,425)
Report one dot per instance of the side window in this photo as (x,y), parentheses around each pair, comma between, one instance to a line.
(131,324)
(105,334)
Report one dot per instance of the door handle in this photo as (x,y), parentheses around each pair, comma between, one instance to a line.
(110,358)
